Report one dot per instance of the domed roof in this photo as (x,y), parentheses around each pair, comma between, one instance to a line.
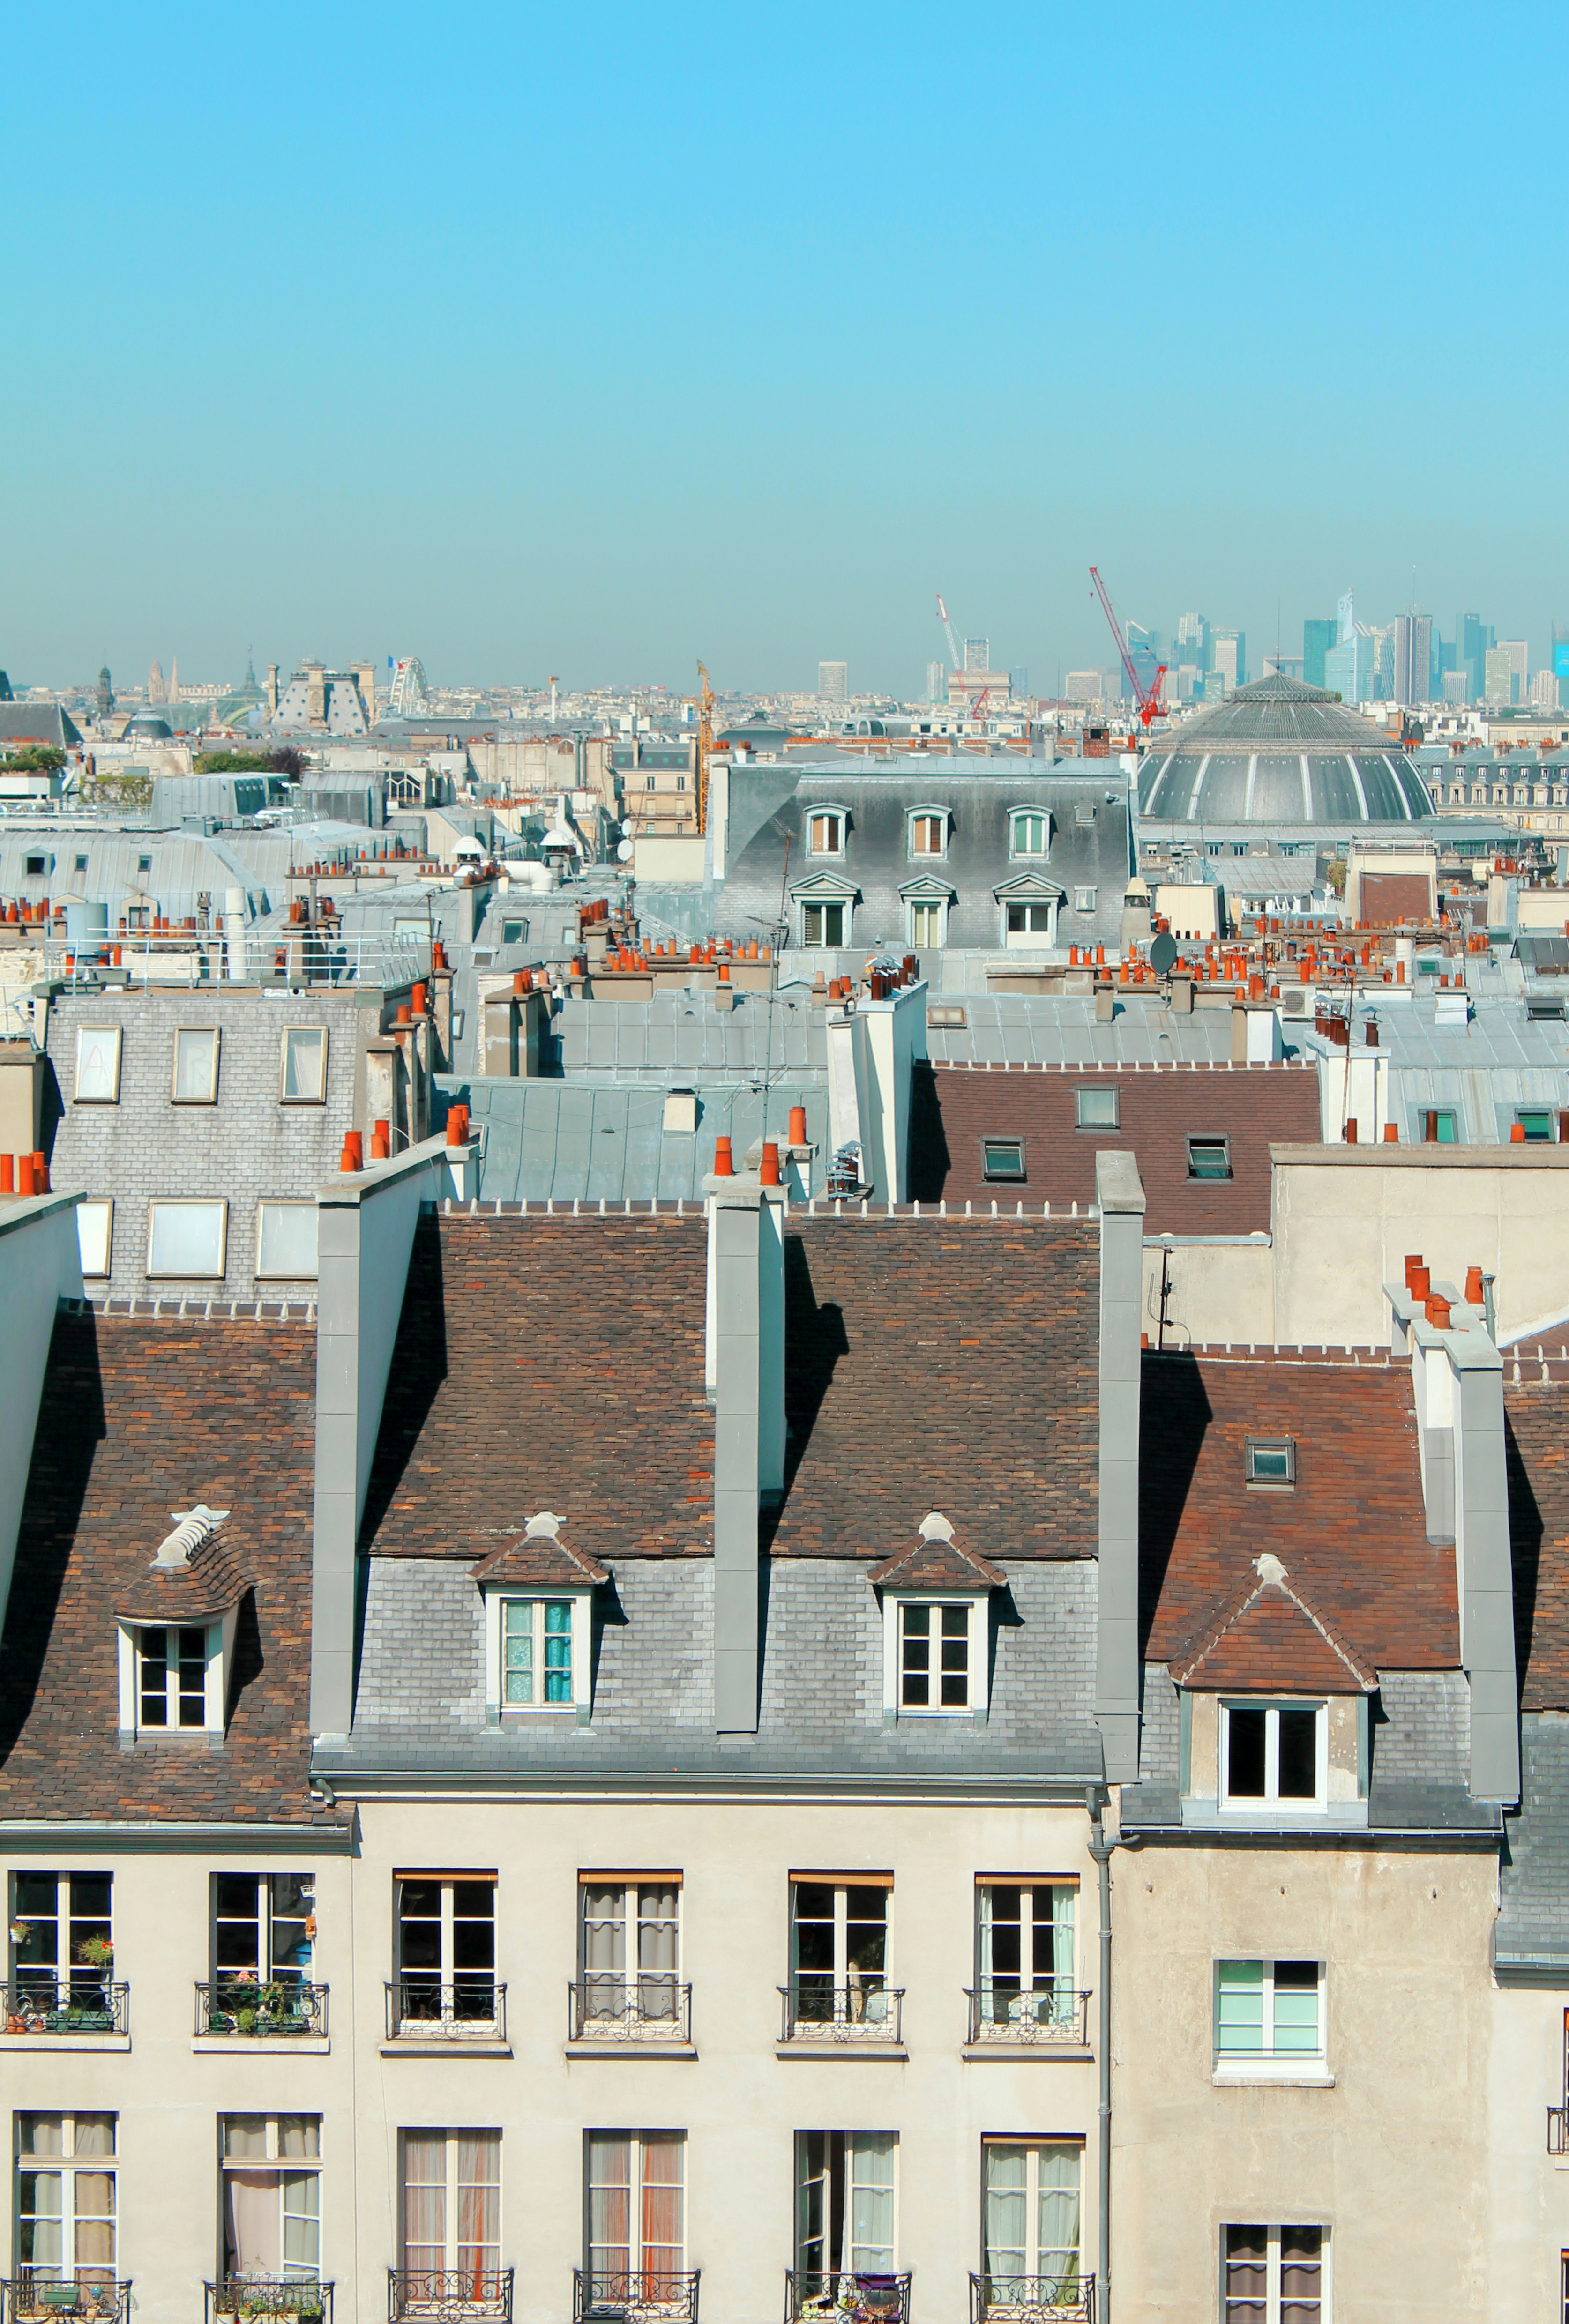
(1279,752)
(148,727)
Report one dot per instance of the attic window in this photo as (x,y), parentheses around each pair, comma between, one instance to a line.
(35,867)
(1209,1158)
(1002,1157)
(536,1650)
(173,1676)
(1097,1109)
(1272,1462)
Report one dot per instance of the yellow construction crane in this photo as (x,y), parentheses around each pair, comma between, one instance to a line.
(703,706)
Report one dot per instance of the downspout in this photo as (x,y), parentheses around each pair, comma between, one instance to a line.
(1101,1849)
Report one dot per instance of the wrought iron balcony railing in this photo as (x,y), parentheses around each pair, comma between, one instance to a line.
(32,2295)
(1558,2129)
(1068,2296)
(1039,2015)
(469,2009)
(845,2296)
(268,2011)
(608,2007)
(293,2299)
(448,2295)
(865,2011)
(636,2295)
(76,2002)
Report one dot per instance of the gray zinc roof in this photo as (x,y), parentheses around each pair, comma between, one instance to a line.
(1015,1029)
(606,1141)
(677,1036)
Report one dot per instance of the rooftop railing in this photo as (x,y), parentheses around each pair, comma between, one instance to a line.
(468,2009)
(32,2295)
(845,2296)
(257,2299)
(1066,2297)
(636,2295)
(1040,2016)
(275,2009)
(612,2009)
(75,2002)
(448,2295)
(867,2010)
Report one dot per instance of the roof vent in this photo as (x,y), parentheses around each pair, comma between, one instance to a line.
(193,1529)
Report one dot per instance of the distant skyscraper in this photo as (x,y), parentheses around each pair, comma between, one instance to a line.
(155,682)
(1317,638)
(1345,617)
(1018,681)
(1192,640)
(1229,657)
(1413,652)
(977,653)
(1500,680)
(1560,653)
(1545,695)
(1472,638)
(833,680)
(937,681)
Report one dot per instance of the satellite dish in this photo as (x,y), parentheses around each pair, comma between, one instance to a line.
(1163,953)
(628,828)
(624,852)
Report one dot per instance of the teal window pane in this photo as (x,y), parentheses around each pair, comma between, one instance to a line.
(1240,2007)
(559,1651)
(1296,2007)
(517,1651)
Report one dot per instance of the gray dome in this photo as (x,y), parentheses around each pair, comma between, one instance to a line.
(147,726)
(1279,752)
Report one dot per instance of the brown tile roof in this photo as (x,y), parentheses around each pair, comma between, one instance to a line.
(214,1578)
(139,1417)
(1254,1106)
(1351,1537)
(936,1562)
(940,1364)
(1537,1449)
(1269,1635)
(548,1363)
(541,1561)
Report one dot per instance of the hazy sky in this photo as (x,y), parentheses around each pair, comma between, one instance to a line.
(593,339)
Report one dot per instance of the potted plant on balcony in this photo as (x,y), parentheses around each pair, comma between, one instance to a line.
(97,1952)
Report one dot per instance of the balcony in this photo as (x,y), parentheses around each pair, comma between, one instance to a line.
(1047,2017)
(616,2010)
(1558,2129)
(76,2003)
(845,2296)
(91,2292)
(864,2012)
(298,2300)
(448,2295)
(638,2295)
(423,2009)
(1066,2299)
(271,2012)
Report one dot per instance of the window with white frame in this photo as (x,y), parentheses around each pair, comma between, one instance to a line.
(823,926)
(1024,1952)
(1274,2275)
(96,1235)
(928,924)
(263,1927)
(630,1947)
(286,1241)
(1029,835)
(172,1677)
(304,1065)
(636,2228)
(1274,1753)
(825,831)
(62,1940)
(188,1239)
(1098,1107)
(928,832)
(839,1950)
(446,1942)
(844,2208)
(1268,2010)
(196,1066)
(97,1064)
(1028,923)
(449,2216)
(536,1650)
(1032,2224)
(935,1656)
(65,2197)
(271,2169)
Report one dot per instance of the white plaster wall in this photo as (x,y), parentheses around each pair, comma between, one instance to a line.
(1219,1291)
(1528,2187)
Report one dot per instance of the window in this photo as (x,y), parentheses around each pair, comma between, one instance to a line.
(450,2224)
(177,1677)
(1002,1157)
(839,1952)
(514,931)
(62,1940)
(1031,2225)
(1029,835)
(1271,1460)
(1024,1967)
(935,1656)
(822,927)
(928,835)
(1083,899)
(649,782)
(1273,2275)
(35,867)
(271,2171)
(65,2197)
(188,1239)
(97,1064)
(826,832)
(630,1949)
(636,2235)
(286,1241)
(196,1066)
(446,1952)
(680,783)
(1273,1753)
(1098,1109)
(537,1652)
(95,1234)
(1029,923)
(926,924)
(304,1065)
(1209,1158)
(844,2208)
(1537,1122)
(81,863)
(143,863)
(1270,2009)
(264,1926)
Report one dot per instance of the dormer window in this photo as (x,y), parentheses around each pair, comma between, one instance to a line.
(935,1627)
(928,832)
(1029,835)
(1273,1753)
(825,831)
(1272,1461)
(172,1677)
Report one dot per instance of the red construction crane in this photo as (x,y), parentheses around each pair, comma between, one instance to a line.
(1151,705)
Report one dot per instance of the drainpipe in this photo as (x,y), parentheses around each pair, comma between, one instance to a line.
(1101,1849)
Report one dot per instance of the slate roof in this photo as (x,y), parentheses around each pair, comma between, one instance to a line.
(1531,1935)
(953,1112)
(141,1418)
(1352,1535)
(1537,1447)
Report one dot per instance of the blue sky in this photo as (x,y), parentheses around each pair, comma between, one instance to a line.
(594,339)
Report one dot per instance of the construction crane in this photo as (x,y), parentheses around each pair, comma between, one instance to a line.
(1151,705)
(704,706)
(954,650)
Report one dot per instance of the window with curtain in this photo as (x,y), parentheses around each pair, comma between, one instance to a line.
(196,1064)
(536,1652)
(636,2213)
(188,1238)
(630,1947)
(1030,2224)
(1025,1952)
(1273,2275)
(65,2197)
(304,1080)
(97,1064)
(844,2181)
(271,2169)
(451,2214)
(62,1949)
